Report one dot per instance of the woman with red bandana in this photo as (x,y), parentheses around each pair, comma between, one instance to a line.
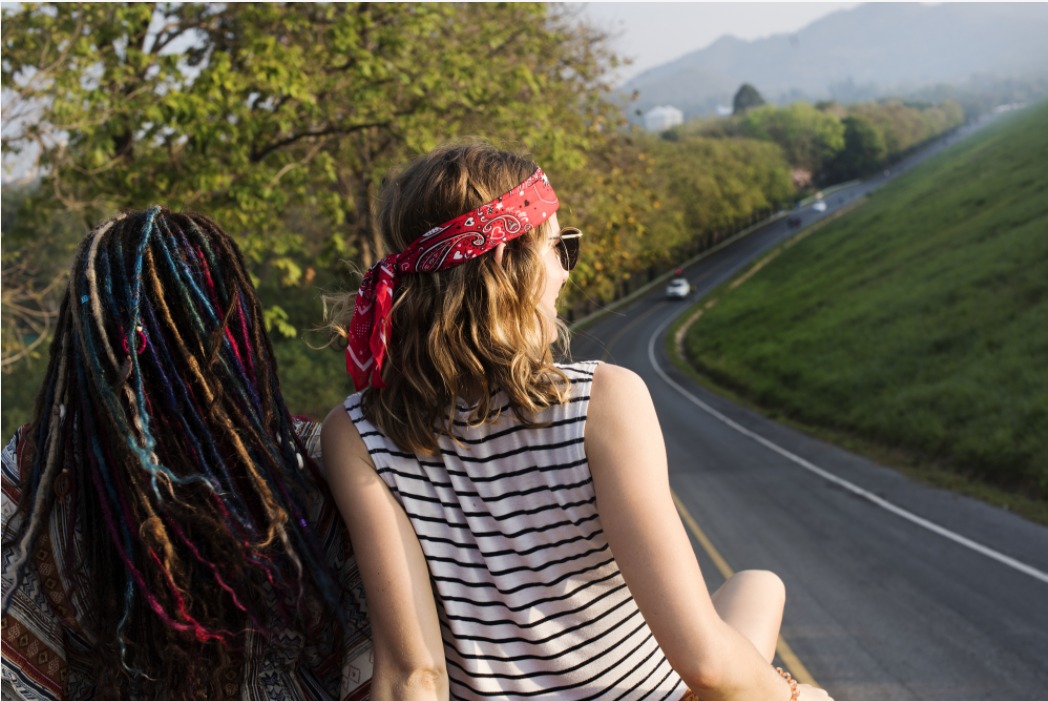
(486,487)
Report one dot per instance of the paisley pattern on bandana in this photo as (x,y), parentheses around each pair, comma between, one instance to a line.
(452,243)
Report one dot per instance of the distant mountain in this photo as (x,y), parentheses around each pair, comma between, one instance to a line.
(869,51)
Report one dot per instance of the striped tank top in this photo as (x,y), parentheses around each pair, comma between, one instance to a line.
(530,599)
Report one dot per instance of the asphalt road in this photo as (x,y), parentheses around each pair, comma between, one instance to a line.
(896,591)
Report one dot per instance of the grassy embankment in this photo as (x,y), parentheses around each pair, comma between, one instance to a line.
(915,328)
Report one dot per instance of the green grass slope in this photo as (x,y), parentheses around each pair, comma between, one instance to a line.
(918,322)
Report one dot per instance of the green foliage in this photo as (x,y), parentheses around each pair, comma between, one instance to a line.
(18,394)
(279,120)
(834,143)
(277,322)
(904,127)
(245,110)
(653,202)
(746,98)
(313,381)
(864,149)
(312,377)
(714,185)
(35,255)
(808,136)
(917,321)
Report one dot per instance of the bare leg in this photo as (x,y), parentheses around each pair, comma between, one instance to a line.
(751,602)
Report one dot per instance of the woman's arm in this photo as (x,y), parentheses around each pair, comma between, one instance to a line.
(409,654)
(627,458)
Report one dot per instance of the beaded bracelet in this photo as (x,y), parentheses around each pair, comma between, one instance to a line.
(794,691)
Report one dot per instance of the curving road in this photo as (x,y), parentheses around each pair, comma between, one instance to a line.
(896,591)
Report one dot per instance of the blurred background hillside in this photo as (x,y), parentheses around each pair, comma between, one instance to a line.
(969,51)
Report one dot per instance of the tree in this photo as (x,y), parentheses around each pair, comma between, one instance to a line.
(746,97)
(905,126)
(35,267)
(246,109)
(712,185)
(864,150)
(256,112)
(809,137)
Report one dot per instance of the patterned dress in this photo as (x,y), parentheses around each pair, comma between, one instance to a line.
(46,655)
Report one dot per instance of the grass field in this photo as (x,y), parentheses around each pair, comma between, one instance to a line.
(917,324)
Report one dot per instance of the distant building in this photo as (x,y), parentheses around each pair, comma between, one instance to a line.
(662,118)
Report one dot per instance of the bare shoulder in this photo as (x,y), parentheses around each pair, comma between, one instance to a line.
(338,420)
(621,417)
(344,450)
(615,389)
(338,428)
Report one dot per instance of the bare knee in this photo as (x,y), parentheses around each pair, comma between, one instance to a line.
(764,584)
(752,602)
(752,589)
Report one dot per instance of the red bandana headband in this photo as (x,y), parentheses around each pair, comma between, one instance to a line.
(452,243)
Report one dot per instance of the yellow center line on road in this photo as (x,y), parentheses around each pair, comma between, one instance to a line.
(782,648)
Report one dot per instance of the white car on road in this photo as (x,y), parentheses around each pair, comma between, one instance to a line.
(679,288)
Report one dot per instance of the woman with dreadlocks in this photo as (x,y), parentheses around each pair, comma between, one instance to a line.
(165,535)
(500,503)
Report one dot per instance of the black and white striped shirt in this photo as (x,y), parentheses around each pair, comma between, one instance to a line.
(531,601)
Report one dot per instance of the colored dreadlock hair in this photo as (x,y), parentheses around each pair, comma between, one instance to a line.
(161,411)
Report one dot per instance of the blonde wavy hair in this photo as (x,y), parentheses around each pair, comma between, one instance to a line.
(462,334)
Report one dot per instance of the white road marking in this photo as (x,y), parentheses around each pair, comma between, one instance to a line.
(845,484)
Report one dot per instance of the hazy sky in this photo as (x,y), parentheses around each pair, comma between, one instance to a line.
(657,32)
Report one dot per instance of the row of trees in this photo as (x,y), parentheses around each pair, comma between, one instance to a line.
(280,119)
(830,142)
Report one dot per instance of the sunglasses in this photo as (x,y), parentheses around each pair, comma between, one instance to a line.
(567,242)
